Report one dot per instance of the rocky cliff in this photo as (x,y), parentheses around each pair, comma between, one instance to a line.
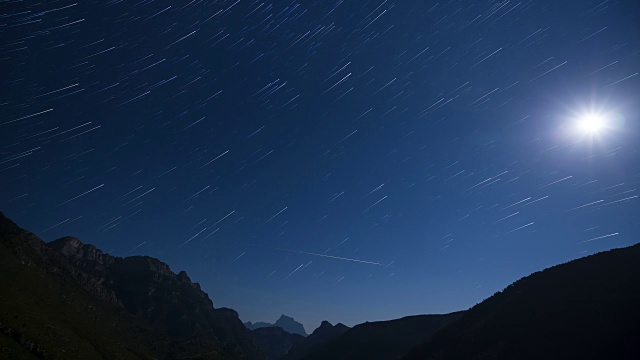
(171,313)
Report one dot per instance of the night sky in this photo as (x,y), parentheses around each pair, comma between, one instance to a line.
(341,160)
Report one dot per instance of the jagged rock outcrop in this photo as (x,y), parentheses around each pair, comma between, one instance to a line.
(89,266)
(84,255)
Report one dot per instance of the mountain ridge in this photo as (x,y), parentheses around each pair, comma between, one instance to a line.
(287,323)
(168,313)
(582,309)
(322,334)
(377,340)
(66,298)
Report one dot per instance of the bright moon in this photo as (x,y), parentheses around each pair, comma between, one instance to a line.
(591,123)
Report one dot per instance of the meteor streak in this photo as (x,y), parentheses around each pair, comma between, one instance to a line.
(308,253)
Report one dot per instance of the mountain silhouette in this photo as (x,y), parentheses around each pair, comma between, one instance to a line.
(379,340)
(287,323)
(279,344)
(584,309)
(67,299)
(320,335)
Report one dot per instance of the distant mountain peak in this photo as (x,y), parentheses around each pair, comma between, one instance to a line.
(325,328)
(320,335)
(287,323)
(325,323)
(290,325)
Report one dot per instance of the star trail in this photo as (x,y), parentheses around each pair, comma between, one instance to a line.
(331,160)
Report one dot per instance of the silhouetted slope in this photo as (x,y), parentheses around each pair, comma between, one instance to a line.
(67,299)
(170,303)
(380,340)
(46,314)
(175,306)
(275,342)
(322,334)
(585,309)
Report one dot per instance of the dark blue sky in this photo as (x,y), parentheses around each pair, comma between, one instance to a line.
(339,160)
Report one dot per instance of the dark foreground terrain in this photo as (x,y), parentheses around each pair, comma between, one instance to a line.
(585,309)
(69,300)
